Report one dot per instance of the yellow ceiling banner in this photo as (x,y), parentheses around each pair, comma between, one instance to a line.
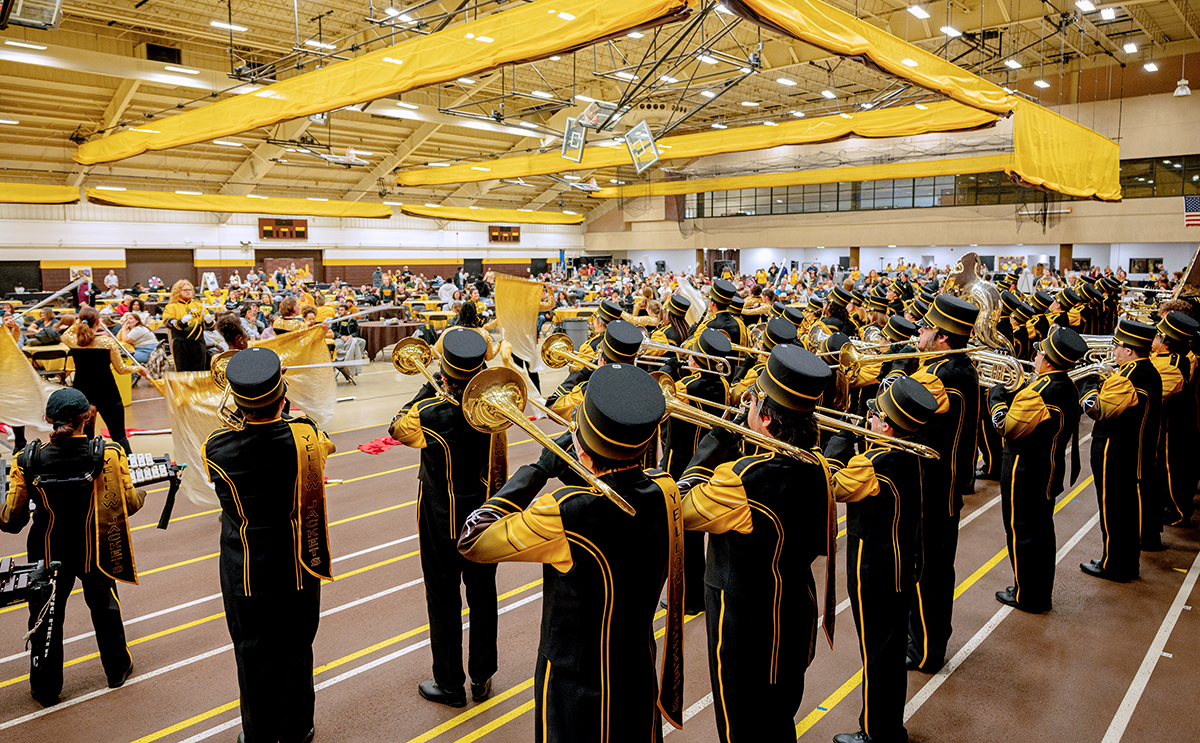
(905,121)
(239,204)
(495,216)
(30,193)
(921,169)
(520,34)
(1055,153)
(836,31)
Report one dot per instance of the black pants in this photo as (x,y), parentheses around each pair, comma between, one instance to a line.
(1119,495)
(189,355)
(533,376)
(445,569)
(881,620)
(749,708)
(931,610)
(100,594)
(991,446)
(1179,478)
(272,642)
(1029,532)
(112,410)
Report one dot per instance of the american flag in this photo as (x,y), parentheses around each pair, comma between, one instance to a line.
(1191,211)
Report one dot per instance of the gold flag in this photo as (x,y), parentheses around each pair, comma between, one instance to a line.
(517,302)
(313,391)
(24,394)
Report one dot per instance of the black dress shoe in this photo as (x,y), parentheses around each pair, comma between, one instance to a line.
(861,737)
(118,683)
(241,738)
(982,474)
(1008,598)
(46,701)
(1093,568)
(434,693)
(480,692)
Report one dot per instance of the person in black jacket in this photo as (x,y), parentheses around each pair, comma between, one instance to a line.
(768,517)
(1126,407)
(1177,439)
(454,481)
(96,358)
(1036,423)
(882,490)
(274,547)
(719,317)
(71,479)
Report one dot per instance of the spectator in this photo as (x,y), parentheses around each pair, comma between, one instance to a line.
(377,278)
(111,281)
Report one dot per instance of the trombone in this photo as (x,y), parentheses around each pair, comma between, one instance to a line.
(738,410)
(746,349)
(495,399)
(685,412)
(230,418)
(994,368)
(558,351)
(412,356)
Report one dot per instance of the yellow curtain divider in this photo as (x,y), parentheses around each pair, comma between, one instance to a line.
(944,116)
(518,34)
(500,216)
(1055,153)
(921,169)
(30,193)
(239,204)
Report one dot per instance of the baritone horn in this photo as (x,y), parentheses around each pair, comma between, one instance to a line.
(495,399)
(1101,369)
(685,412)
(412,356)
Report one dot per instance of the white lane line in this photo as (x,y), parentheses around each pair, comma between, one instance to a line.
(360,669)
(691,712)
(1121,720)
(189,604)
(961,656)
(194,659)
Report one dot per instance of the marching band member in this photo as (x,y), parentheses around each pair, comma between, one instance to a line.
(1036,423)
(83,491)
(991,447)
(675,331)
(454,479)
(274,547)
(836,318)
(882,489)
(900,332)
(186,321)
(1177,439)
(619,344)
(604,570)
(1093,309)
(1126,407)
(1067,310)
(955,385)
(779,330)
(1022,343)
(608,311)
(720,317)
(1039,326)
(760,595)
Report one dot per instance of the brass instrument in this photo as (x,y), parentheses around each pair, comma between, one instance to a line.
(816,335)
(683,411)
(739,409)
(1100,368)
(968,282)
(558,351)
(230,417)
(868,348)
(495,399)
(746,349)
(412,356)
(756,332)
(1100,349)
(994,368)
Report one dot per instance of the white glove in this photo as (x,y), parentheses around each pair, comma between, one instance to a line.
(186,319)
(208,318)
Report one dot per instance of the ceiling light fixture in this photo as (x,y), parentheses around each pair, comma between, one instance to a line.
(190,193)
(1041,83)
(391,11)
(951,31)
(406,104)
(524,210)
(227,143)
(785,81)
(798,114)
(571,177)
(226,26)
(770,123)
(707,59)
(474,207)
(845,116)
(829,94)
(1183,89)
(527,124)
(315,198)
(635,34)
(1150,67)
(1130,47)
(434,206)
(1012,64)
(25,45)
(708,94)
(568,211)
(541,94)
(718,125)
(184,70)
(319,44)
(555,58)
(668,79)
(1108,14)
(624,75)
(368,153)
(466,81)
(110,188)
(438,165)
(750,104)
(918,11)
(1085,5)
(256,196)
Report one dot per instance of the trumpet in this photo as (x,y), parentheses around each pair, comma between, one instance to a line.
(558,351)
(994,368)
(412,356)
(1100,368)
(685,412)
(495,399)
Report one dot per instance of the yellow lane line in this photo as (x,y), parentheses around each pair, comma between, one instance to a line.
(319,669)
(833,699)
(473,712)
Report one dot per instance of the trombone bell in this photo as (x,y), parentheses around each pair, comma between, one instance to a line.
(411,356)
(229,416)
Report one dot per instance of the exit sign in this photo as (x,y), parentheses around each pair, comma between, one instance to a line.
(283,229)
(497,234)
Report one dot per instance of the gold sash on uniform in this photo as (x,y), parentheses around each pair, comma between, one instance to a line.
(670,687)
(113,546)
(312,534)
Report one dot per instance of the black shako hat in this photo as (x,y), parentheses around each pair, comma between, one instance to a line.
(1178,326)
(1110,284)
(1068,298)
(795,315)
(609,311)
(463,353)
(736,305)
(907,404)
(621,343)
(678,305)
(777,309)
(952,315)
(1136,335)
(779,330)
(840,297)
(1091,293)
(1042,300)
(859,297)
(1064,348)
(1009,300)
(918,307)
(794,377)
(876,303)
(1022,313)
(66,404)
(899,329)
(815,304)
(834,343)
(256,378)
(714,343)
(722,292)
(622,407)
